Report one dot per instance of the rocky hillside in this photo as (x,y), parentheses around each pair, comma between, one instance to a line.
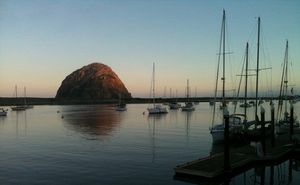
(94,81)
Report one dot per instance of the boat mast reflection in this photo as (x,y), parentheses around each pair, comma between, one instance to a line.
(188,116)
(21,123)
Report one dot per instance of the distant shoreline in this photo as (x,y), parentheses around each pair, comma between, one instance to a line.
(7,101)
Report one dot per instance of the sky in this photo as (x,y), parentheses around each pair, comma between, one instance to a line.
(42,41)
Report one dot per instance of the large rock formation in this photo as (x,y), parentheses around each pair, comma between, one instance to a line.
(94,81)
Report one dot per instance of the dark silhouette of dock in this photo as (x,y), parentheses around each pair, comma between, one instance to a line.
(229,163)
(241,159)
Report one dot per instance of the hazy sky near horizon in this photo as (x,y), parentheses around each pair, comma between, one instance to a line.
(42,41)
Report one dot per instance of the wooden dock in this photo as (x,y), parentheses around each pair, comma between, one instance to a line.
(241,159)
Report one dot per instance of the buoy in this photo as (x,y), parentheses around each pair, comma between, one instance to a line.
(58,111)
(62,117)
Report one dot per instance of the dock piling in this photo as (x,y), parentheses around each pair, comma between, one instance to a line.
(272,125)
(263,129)
(226,139)
(290,170)
(262,176)
(272,175)
(291,120)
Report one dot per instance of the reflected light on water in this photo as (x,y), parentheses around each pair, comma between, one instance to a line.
(94,144)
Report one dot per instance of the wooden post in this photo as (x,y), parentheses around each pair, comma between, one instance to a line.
(290,170)
(272,125)
(263,129)
(226,139)
(272,175)
(291,121)
(262,177)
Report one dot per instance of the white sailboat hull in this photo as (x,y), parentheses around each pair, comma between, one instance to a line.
(157,110)
(188,107)
(3,113)
(18,108)
(174,105)
(217,135)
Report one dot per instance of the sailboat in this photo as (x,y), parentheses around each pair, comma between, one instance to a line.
(3,112)
(121,106)
(188,105)
(253,128)
(25,101)
(245,104)
(283,123)
(235,122)
(174,104)
(18,107)
(156,108)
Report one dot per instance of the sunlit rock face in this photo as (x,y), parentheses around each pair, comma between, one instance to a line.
(94,81)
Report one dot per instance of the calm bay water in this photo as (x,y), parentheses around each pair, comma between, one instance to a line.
(94,144)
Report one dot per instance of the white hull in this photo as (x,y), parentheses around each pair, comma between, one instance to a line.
(157,110)
(217,135)
(174,105)
(235,127)
(3,113)
(188,107)
(18,108)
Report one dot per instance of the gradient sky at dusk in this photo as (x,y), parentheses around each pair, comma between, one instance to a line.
(42,41)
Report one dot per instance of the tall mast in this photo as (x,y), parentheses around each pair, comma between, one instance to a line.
(257,68)
(187,90)
(25,96)
(286,76)
(218,68)
(246,79)
(283,84)
(153,85)
(16,91)
(223,53)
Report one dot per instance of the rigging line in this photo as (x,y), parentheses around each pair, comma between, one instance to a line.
(281,93)
(151,95)
(291,70)
(223,77)
(266,57)
(218,68)
(230,58)
(260,69)
(257,67)
(240,82)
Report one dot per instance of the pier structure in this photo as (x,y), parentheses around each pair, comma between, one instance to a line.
(269,151)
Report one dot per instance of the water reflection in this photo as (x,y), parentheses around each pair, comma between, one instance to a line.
(187,124)
(153,119)
(21,122)
(276,174)
(91,120)
(151,130)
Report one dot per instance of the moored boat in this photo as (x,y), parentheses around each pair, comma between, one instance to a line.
(189,106)
(155,108)
(284,122)
(3,112)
